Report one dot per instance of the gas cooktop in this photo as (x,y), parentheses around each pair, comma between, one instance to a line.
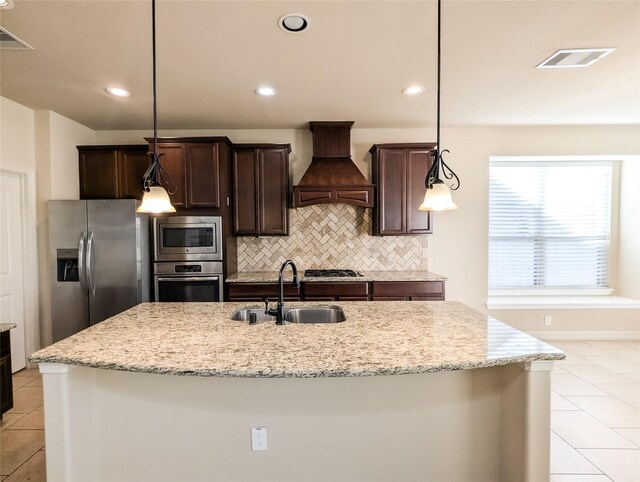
(331,273)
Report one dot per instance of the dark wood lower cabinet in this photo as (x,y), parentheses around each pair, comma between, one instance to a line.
(341,291)
(336,291)
(262,291)
(407,290)
(6,381)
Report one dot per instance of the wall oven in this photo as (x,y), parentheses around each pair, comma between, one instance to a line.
(188,258)
(200,281)
(187,238)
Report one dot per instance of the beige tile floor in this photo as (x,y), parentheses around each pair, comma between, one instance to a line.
(22,456)
(595,412)
(595,417)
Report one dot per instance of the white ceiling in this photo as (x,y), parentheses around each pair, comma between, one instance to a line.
(350,64)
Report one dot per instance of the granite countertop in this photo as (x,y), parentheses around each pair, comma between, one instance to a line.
(272,277)
(382,338)
(7,326)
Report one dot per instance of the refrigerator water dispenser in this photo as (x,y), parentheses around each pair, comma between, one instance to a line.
(67,264)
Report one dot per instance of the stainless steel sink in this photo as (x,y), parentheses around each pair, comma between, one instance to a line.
(315,314)
(247,314)
(311,314)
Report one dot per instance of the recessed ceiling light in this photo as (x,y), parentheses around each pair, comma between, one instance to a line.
(293,22)
(574,58)
(266,91)
(6,4)
(118,92)
(413,90)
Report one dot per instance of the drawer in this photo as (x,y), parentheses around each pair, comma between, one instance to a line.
(257,290)
(336,289)
(427,289)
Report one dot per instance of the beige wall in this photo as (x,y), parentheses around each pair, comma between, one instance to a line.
(629,230)
(17,134)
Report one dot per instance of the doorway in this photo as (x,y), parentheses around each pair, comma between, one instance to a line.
(17,262)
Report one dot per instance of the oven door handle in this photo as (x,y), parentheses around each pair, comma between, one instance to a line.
(188,278)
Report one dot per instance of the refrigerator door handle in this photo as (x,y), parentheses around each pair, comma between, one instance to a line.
(81,271)
(90,250)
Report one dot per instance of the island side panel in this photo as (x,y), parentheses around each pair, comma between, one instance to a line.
(111,425)
(526,422)
(70,437)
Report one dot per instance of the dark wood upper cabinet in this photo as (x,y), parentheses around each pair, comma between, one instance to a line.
(260,189)
(245,192)
(398,172)
(173,160)
(203,175)
(195,164)
(273,191)
(112,172)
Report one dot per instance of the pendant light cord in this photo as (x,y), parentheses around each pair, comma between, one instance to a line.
(433,174)
(155,101)
(438,81)
(156,174)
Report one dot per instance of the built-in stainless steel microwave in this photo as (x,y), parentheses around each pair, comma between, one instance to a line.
(187,238)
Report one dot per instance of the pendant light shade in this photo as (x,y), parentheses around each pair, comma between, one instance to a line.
(155,198)
(156,201)
(438,195)
(438,198)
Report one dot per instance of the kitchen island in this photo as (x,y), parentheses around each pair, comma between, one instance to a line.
(399,391)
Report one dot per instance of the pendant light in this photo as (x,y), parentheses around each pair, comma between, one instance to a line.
(438,195)
(155,198)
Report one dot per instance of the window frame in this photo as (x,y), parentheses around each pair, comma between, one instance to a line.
(614,162)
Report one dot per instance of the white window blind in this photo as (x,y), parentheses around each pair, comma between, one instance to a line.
(549,224)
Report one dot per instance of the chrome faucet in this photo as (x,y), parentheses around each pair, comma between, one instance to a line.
(279,311)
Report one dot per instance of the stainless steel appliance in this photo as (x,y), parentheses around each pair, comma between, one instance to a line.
(188,281)
(187,238)
(100,261)
(188,258)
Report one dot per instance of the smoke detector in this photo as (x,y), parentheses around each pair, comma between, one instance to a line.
(574,58)
(11,42)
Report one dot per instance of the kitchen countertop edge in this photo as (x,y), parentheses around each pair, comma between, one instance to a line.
(386,338)
(367,276)
(7,326)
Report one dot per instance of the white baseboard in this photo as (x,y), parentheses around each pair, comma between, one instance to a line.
(586,335)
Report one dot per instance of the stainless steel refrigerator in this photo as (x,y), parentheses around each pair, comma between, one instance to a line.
(100,261)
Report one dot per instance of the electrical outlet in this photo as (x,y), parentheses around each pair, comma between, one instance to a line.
(258,438)
(547,320)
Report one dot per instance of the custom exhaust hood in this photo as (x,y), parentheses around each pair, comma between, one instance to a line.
(332,177)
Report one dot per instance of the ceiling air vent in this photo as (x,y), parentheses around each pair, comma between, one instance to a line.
(574,58)
(11,42)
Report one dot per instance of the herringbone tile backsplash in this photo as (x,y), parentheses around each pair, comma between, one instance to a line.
(332,236)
